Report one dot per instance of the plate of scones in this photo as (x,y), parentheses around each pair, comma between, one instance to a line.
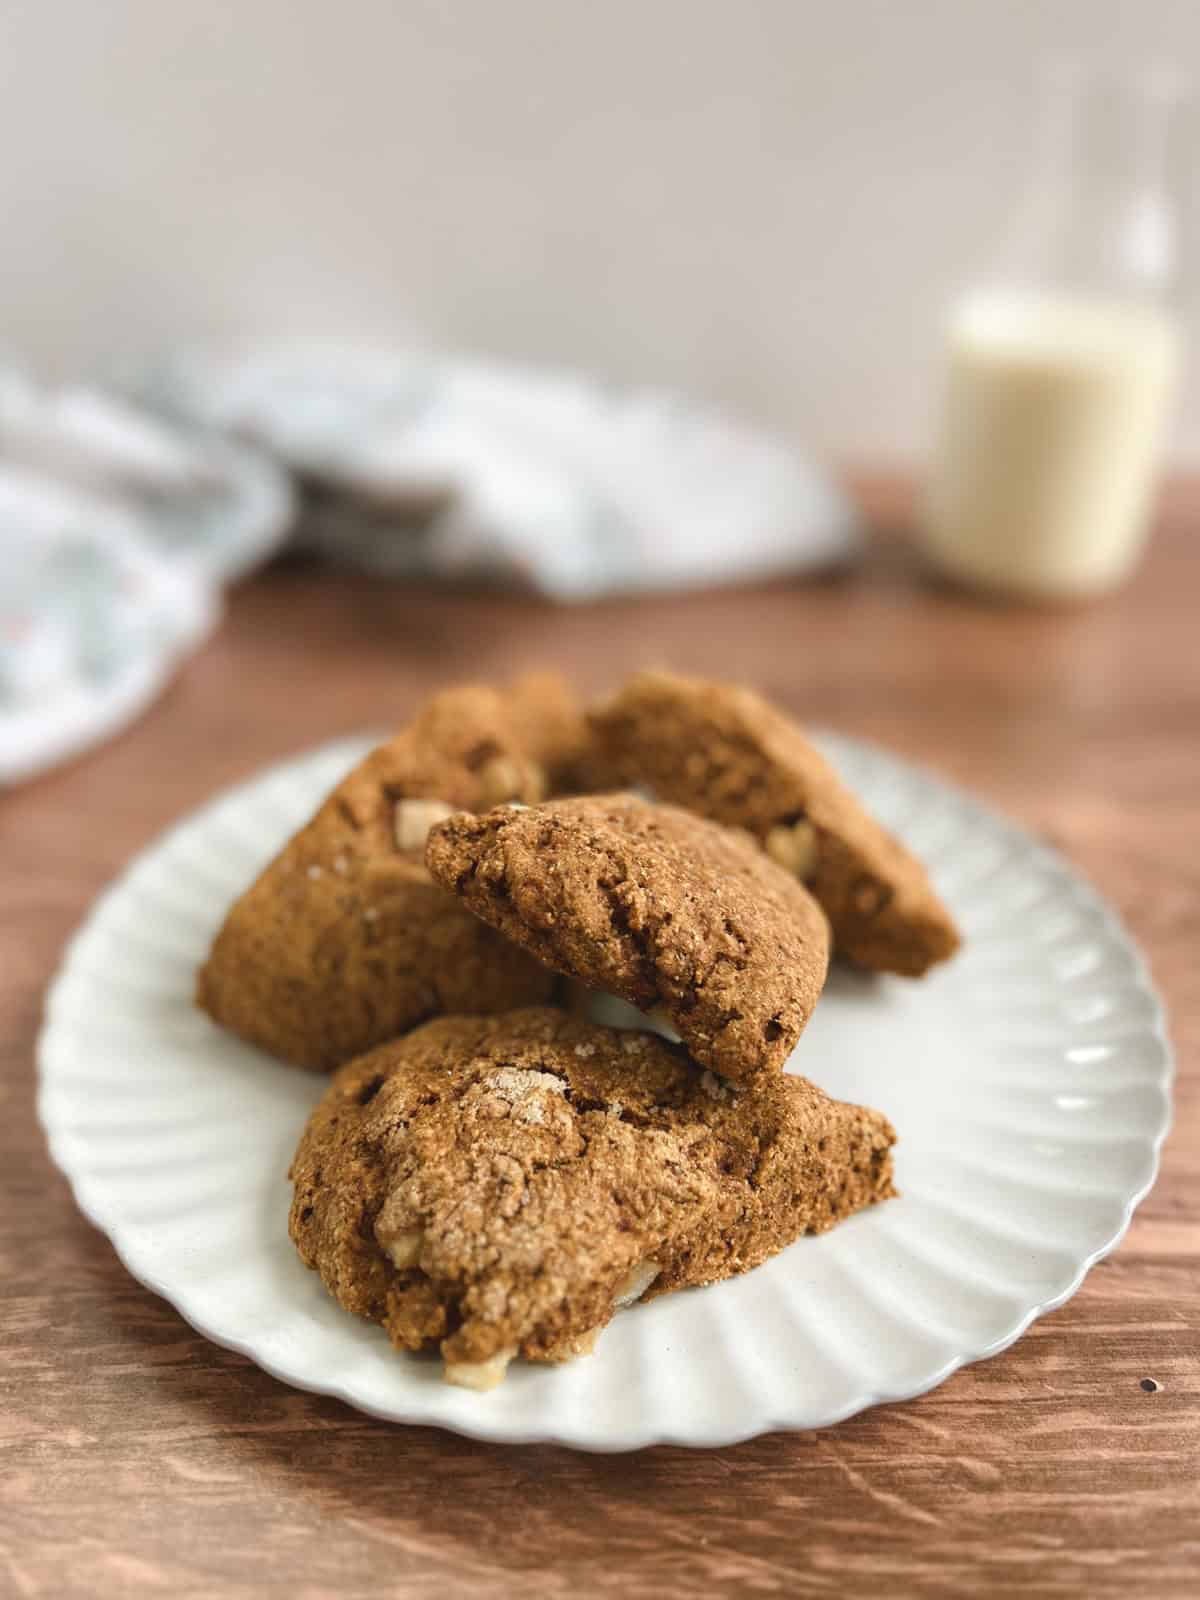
(612,1074)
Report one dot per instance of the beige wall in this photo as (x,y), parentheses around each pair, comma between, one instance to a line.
(765,201)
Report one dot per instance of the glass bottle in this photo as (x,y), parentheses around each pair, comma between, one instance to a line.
(1061,366)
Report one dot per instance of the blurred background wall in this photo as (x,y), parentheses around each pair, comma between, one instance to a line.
(764,201)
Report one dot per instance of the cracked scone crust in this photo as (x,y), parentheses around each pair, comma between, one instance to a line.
(724,752)
(496,1185)
(344,940)
(655,905)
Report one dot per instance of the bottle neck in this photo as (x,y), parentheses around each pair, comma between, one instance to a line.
(1099,216)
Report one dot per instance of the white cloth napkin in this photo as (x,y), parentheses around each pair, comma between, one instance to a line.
(498,473)
(122,518)
(116,533)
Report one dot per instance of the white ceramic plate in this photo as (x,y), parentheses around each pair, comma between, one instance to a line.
(1028,1080)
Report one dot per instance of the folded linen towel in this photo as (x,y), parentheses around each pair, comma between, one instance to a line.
(116,533)
(124,511)
(424,466)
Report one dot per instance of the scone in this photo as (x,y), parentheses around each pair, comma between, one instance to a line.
(723,752)
(652,904)
(496,1186)
(344,940)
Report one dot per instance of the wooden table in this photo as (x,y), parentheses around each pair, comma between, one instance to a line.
(140,1459)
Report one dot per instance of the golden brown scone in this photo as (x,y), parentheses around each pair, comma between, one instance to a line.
(498,1186)
(344,940)
(723,752)
(655,905)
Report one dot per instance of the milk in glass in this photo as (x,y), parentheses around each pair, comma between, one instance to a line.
(1060,367)
(1051,434)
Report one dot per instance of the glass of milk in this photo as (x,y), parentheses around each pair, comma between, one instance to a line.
(1061,368)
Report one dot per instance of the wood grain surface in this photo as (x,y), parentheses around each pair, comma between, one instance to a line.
(139,1459)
